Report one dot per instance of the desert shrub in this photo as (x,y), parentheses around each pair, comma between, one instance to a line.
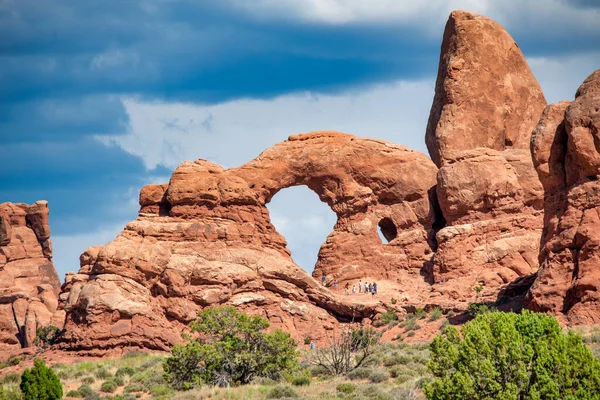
(476,309)
(102,373)
(393,300)
(371,392)
(450,314)
(359,373)
(265,381)
(135,354)
(108,387)
(40,383)
(125,371)
(345,388)
(400,359)
(12,361)
(393,324)
(46,336)
(594,338)
(232,348)
(282,392)
(302,380)
(86,390)
(318,371)
(161,391)
(88,380)
(512,356)
(403,377)
(11,377)
(420,313)
(74,393)
(389,316)
(347,351)
(299,377)
(410,325)
(378,376)
(411,334)
(134,387)
(118,380)
(404,393)
(435,314)
(10,392)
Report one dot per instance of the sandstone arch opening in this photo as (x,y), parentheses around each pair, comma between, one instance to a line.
(304,220)
(387,230)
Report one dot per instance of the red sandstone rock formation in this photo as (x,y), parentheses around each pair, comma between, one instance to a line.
(485,95)
(29,284)
(486,103)
(206,239)
(566,155)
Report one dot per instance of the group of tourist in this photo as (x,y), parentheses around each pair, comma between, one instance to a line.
(362,287)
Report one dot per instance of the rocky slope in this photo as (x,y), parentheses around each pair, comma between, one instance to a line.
(29,284)
(206,239)
(486,104)
(567,159)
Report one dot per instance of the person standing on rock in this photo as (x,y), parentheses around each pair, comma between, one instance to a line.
(353,288)
(374,288)
(367,287)
(347,287)
(335,284)
(324,279)
(359,286)
(312,345)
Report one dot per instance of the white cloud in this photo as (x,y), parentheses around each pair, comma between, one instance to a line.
(234,132)
(518,15)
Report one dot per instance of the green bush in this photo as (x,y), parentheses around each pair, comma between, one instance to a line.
(102,373)
(420,313)
(125,371)
(135,387)
(359,373)
(12,361)
(40,383)
(512,356)
(301,380)
(346,387)
(282,392)
(86,391)
(393,300)
(318,371)
(389,316)
(74,393)
(378,376)
(108,387)
(411,333)
(435,314)
(88,380)
(10,392)
(161,391)
(11,377)
(118,380)
(232,348)
(46,336)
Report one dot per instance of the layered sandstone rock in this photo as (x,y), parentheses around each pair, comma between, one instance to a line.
(486,104)
(206,239)
(567,159)
(29,284)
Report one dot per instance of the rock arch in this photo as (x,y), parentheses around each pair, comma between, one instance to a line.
(206,238)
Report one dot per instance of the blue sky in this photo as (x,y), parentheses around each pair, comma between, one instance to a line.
(100,97)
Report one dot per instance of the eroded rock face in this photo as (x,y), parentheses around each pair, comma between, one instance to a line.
(29,285)
(567,159)
(486,104)
(206,239)
(485,95)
